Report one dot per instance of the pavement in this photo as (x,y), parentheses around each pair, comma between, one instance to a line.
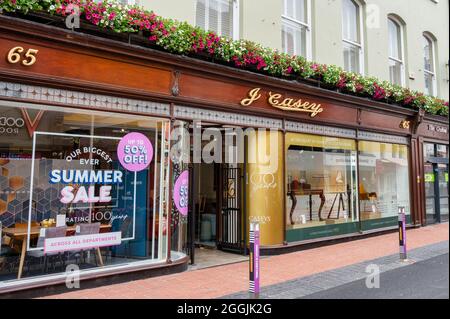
(427,279)
(232,279)
(423,275)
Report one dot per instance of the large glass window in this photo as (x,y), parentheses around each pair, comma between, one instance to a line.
(220,16)
(429,65)
(352,36)
(383,182)
(322,186)
(62,184)
(296,28)
(396,60)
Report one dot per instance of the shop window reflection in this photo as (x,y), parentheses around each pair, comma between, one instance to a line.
(321,181)
(383,180)
(133,206)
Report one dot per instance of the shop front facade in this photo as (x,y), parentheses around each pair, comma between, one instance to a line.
(344,165)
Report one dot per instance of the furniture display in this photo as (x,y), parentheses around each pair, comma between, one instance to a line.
(51,232)
(341,202)
(20,234)
(298,189)
(86,229)
(365,197)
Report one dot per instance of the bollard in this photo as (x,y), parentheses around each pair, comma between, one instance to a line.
(402,232)
(254,287)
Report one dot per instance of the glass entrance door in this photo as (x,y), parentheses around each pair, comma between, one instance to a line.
(442,174)
(436,182)
(430,192)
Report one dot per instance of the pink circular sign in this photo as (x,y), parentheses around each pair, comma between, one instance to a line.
(181,193)
(135,152)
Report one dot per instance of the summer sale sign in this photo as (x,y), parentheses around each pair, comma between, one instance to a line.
(81,183)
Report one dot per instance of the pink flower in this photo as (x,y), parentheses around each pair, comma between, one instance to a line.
(408,100)
(112,15)
(341,84)
(379,92)
(153,38)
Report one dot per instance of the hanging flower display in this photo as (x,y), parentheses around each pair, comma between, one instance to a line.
(181,38)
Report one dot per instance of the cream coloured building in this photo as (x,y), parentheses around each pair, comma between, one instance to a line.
(402,41)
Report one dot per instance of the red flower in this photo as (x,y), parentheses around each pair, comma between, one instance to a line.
(342,83)
(379,93)
(408,100)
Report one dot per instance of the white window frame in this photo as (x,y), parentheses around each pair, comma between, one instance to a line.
(129,2)
(299,24)
(433,62)
(402,48)
(361,36)
(235,18)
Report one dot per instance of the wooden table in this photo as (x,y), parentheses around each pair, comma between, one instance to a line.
(22,233)
(306,192)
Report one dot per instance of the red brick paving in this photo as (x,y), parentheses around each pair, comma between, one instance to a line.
(228,279)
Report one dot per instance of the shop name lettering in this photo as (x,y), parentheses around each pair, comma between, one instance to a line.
(284,103)
(439,129)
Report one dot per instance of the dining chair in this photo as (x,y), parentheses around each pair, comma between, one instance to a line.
(52,232)
(86,229)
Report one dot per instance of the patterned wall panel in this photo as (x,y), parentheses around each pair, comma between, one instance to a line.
(76,98)
(377,137)
(191,113)
(319,129)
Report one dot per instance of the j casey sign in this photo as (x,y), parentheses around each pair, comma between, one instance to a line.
(282,102)
(61,244)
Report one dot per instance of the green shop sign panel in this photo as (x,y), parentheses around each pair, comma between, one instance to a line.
(308,233)
(371,224)
(293,235)
(429,177)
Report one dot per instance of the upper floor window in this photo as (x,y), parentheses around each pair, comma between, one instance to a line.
(352,36)
(220,16)
(296,28)
(429,65)
(396,55)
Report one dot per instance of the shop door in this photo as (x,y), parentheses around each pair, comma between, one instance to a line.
(230,222)
(430,195)
(436,192)
(442,181)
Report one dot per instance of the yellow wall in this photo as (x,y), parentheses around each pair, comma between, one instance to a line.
(265,189)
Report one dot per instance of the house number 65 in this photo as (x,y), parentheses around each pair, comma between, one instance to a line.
(14,56)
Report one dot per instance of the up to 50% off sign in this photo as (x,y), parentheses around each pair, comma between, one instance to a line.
(135,152)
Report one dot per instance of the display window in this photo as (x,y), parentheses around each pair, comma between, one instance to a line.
(321,186)
(82,188)
(383,183)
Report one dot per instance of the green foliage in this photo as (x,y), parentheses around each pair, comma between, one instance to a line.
(181,38)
